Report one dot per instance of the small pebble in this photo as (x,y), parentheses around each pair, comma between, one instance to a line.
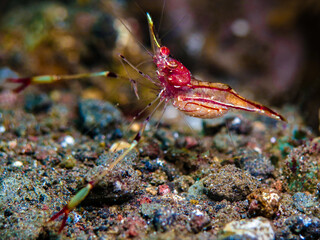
(164,218)
(67,141)
(37,103)
(253,161)
(304,202)
(198,220)
(151,190)
(68,162)
(303,226)
(257,228)
(98,117)
(230,183)
(163,189)
(264,202)
(12,144)
(17,164)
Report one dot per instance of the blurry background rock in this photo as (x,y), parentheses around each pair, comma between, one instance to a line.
(267,50)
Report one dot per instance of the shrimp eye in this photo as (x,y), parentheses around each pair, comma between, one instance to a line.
(172,64)
(164,51)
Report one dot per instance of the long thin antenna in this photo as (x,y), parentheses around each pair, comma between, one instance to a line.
(143,62)
(229,133)
(133,82)
(162,13)
(137,70)
(145,108)
(140,43)
(140,8)
(187,123)
(162,113)
(173,27)
(108,6)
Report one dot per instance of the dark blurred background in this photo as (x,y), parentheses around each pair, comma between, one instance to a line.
(266,50)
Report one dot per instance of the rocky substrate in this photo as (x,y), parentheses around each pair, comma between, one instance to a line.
(256,179)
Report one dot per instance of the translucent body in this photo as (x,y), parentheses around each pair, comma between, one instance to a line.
(197,98)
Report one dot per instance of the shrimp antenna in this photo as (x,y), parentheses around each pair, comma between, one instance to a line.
(108,6)
(230,136)
(154,40)
(173,27)
(162,11)
(140,43)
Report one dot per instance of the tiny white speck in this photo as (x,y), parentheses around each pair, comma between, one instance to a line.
(68,140)
(2,129)
(17,164)
(257,149)
(273,140)
(236,120)
(160,162)
(198,108)
(240,27)
(77,217)
(117,186)
(197,212)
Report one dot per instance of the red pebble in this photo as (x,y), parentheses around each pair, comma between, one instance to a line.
(191,142)
(133,226)
(27,149)
(163,189)
(144,200)
(45,207)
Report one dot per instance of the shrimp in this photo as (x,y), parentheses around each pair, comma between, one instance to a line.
(175,85)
